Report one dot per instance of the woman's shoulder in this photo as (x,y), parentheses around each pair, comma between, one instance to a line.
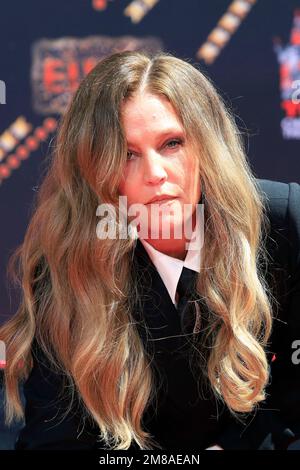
(282,199)
(282,202)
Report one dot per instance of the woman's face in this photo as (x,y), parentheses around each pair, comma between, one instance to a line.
(160,160)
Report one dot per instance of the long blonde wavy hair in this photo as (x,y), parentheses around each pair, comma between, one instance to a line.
(78,292)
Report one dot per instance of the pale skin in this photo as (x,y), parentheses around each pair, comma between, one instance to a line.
(160,161)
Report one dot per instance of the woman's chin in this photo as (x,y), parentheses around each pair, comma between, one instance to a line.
(163,229)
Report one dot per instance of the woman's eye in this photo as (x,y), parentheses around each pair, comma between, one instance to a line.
(174,141)
(170,144)
(129,156)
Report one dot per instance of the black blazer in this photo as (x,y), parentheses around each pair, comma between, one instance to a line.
(186,414)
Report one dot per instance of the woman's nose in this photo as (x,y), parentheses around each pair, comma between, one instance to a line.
(154,170)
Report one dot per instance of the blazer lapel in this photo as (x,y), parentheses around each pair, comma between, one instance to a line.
(156,311)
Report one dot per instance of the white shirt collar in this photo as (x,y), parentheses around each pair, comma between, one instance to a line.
(170,268)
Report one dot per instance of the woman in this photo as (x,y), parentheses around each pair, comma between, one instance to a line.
(112,352)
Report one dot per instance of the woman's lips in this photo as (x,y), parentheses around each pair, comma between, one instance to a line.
(167,200)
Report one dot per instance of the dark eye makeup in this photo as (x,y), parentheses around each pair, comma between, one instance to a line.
(177,141)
